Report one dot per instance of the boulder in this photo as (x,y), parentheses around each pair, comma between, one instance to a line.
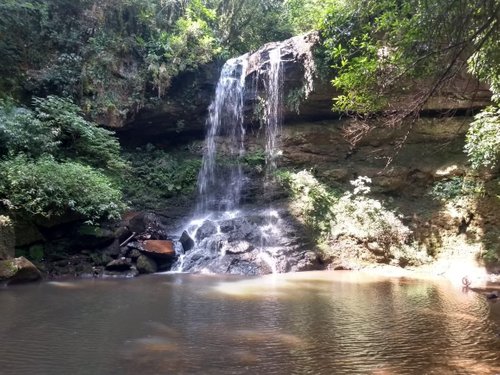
(146,265)
(146,223)
(122,264)
(18,270)
(207,229)
(237,247)
(186,241)
(94,237)
(7,238)
(113,250)
(159,249)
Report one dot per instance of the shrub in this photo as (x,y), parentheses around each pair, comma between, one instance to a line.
(483,138)
(457,187)
(313,201)
(49,188)
(333,217)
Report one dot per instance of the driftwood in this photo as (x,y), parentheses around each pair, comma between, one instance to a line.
(128,239)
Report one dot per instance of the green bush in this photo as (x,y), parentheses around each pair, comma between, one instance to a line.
(22,132)
(78,138)
(155,175)
(56,127)
(313,201)
(457,187)
(483,138)
(333,217)
(48,188)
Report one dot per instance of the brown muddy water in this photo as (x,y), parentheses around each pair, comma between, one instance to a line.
(305,323)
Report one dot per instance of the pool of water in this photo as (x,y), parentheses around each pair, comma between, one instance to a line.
(305,323)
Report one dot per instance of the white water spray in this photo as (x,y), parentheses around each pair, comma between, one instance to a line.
(220,187)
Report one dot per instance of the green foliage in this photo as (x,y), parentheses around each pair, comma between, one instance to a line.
(366,219)
(56,127)
(155,175)
(457,187)
(332,216)
(306,15)
(383,50)
(47,188)
(255,159)
(55,160)
(382,45)
(22,132)
(492,247)
(313,200)
(483,138)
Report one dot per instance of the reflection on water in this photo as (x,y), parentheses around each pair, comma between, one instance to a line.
(304,323)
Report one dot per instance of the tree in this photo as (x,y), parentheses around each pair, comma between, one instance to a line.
(381,50)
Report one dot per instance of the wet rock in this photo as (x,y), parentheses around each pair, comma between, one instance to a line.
(134,254)
(207,229)
(241,229)
(492,295)
(186,241)
(122,234)
(243,267)
(237,247)
(18,270)
(132,272)
(98,259)
(113,250)
(146,265)
(122,264)
(94,237)
(146,223)
(159,249)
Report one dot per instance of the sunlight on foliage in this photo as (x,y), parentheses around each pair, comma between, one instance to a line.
(483,138)
(49,188)
(333,216)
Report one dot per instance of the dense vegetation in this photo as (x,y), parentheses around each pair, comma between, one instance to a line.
(55,162)
(111,58)
(68,65)
(384,50)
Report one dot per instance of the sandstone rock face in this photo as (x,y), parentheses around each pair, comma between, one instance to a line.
(186,118)
(18,270)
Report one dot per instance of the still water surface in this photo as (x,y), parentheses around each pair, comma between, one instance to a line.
(305,323)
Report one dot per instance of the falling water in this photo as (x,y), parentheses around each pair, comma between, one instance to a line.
(274,95)
(228,238)
(220,187)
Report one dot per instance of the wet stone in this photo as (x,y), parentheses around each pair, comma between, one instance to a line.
(122,264)
(186,241)
(207,229)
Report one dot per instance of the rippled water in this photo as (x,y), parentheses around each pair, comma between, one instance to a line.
(305,323)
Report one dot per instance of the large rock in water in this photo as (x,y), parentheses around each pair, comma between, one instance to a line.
(18,270)
(159,249)
(7,238)
(146,265)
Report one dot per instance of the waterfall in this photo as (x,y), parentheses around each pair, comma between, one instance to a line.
(229,238)
(274,94)
(219,188)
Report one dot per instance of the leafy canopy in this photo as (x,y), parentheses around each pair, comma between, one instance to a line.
(387,52)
